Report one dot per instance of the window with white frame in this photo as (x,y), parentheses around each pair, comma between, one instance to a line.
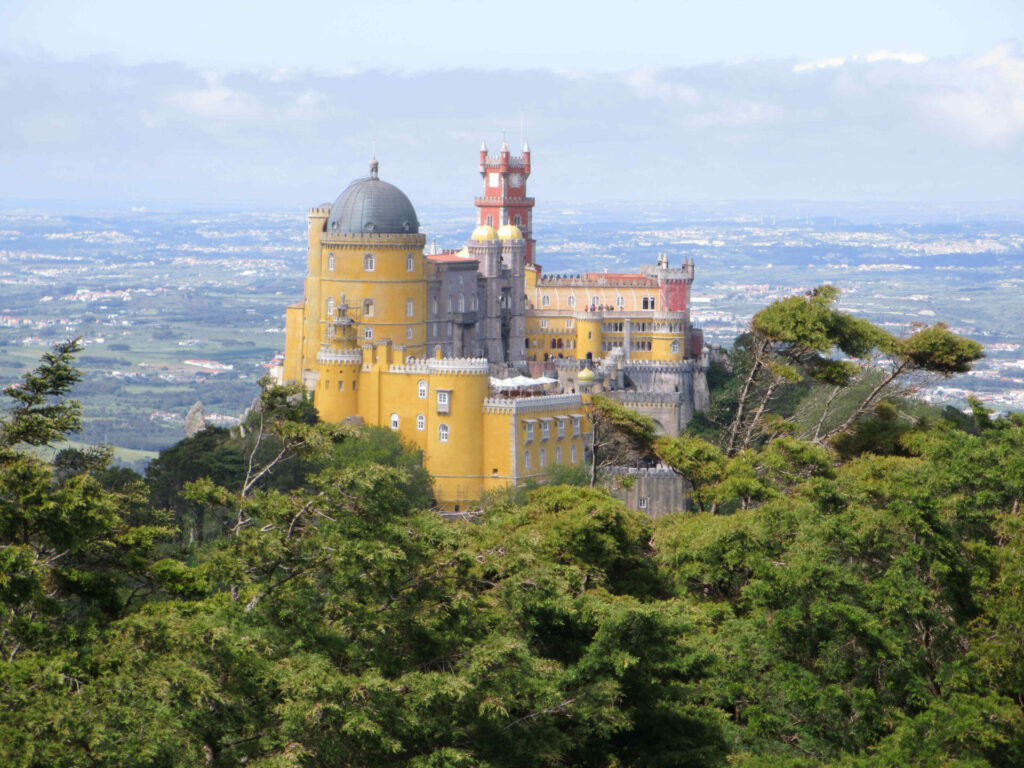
(433,307)
(368,332)
(421,422)
(620,301)
(369,262)
(642,502)
(545,301)
(558,454)
(543,458)
(442,433)
(410,263)
(462,302)
(544,323)
(545,430)
(408,332)
(410,307)
(442,402)
(572,453)
(367,307)
(595,301)
(529,431)
(421,389)
(330,308)
(561,427)
(526,459)
(394,421)
(330,262)
(571,301)
(576,426)
(675,347)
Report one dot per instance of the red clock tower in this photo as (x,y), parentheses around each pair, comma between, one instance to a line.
(504,200)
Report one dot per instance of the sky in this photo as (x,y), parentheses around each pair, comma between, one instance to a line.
(241,104)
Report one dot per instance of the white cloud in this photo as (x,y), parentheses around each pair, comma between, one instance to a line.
(216,101)
(869,58)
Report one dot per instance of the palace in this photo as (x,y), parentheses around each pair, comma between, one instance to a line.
(436,345)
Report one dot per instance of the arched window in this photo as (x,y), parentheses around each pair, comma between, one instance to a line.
(526,459)
(571,301)
(369,262)
(367,307)
(421,422)
(421,389)
(543,458)
(518,220)
(330,263)
(442,433)
(410,264)
(394,421)
(410,308)
(675,347)
(572,453)
(545,301)
(558,454)
(330,308)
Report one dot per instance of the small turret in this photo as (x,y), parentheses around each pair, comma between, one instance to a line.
(483,157)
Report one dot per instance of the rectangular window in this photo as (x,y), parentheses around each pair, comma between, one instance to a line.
(544,324)
(543,458)
(572,453)
(558,454)
(368,332)
(442,402)
(561,427)
(330,263)
(341,386)
(529,432)
(526,459)
(545,301)
(369,263)
(354,383)
(642,503)
(545,430)
(410,308)
(408,332)
(576,427)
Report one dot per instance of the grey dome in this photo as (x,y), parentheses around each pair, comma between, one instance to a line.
(372,206)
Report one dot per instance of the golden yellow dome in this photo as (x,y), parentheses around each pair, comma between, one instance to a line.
(585,375)
(509,232)
(464,253)
(483,233)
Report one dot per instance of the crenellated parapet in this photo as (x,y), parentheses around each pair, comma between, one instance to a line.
(375,239)
(340,357)
(541,403)
(459,366)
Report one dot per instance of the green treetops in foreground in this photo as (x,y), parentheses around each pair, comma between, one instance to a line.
(856,614)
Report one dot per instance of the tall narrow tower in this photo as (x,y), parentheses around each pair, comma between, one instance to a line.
(504,200)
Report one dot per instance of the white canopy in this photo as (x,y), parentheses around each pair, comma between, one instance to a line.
(521,382)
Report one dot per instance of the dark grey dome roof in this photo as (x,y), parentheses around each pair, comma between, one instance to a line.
(372,206)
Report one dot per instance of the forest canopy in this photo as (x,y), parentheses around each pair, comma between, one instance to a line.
(284,596)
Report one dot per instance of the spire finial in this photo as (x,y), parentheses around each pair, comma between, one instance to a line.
(504,142)
(374,166)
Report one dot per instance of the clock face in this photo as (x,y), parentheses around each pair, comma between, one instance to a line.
(515,180)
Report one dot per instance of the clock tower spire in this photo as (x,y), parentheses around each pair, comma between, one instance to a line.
(504,200)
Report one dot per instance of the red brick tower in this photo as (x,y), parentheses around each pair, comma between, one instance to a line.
(504,200)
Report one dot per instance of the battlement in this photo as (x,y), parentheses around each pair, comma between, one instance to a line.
(376,239)
(495,161)
(320,211)
(536,404)
(581,281)
(660,470)
(467,366)
(340,357)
